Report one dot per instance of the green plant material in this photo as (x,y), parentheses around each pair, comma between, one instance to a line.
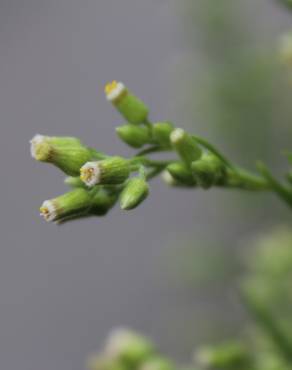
(110,171)
(74,182)
(130,348)
(161,133)
(102,202)
(185,146)
(200,164)
(75,202)
(101,362)
(133,135)
(181,174)
(134,192)
(226,356)
(208,171)
(130,107)
(157,363)
(68,154)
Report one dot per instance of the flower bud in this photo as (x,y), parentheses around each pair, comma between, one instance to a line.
(131,107)
(161,133)
(285,49)
(66,153)
(169,179)
(208,171)
(74,182)
(185,146)
(180,172)
(157,363)
(135,191)
(75,202)
(110,171)
(134,136)
(98,362)
(129,347)
(229,355)
(102,202)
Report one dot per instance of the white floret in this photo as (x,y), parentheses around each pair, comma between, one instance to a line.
(91,173)
(116,92)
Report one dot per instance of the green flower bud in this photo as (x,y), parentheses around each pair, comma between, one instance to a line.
(285,49)
(161,133)
(75,202)
(226,356)
(98,362)
(157,363)
(127,346)
(66,153)
(74,182)
(131,107)
(110,171)
(185,146)
(102,202)
(134,136)
(135,191)
(208,171)
(180,172)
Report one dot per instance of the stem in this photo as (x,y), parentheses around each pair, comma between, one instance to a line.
(283,192)
(213,150)
(266,320)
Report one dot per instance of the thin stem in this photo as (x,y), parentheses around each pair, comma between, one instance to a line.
(213,150)
(266,320)
(151,149)
(283,192)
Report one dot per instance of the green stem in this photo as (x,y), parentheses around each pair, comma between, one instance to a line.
(266,320)
(213,150)
(283,192)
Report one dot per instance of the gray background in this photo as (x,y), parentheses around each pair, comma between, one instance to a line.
(63,288)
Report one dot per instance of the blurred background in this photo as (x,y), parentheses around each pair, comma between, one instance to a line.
(168,269)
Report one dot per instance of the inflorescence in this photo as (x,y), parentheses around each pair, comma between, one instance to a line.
(98,181)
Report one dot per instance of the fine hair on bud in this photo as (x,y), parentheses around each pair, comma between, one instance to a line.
(110,171)
(130,107)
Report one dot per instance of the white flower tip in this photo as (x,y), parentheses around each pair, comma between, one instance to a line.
(34,142)
(90,173)
(48,211)
(40,148)
(177,135)
(114,90)
(203,357)
(116,340)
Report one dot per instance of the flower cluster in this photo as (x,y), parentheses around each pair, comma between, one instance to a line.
(99,181)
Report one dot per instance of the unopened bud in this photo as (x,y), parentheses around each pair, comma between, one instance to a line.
(285,49)
(128,346)
(98,362)
(133,135)
(161,133)
(135,191)
(66,153)
(74,182)
(180,172)
(131,107)
(111,171)
(185,146)
(208,171)
(74,202)
(232,355)
(102,202)
(157,363)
